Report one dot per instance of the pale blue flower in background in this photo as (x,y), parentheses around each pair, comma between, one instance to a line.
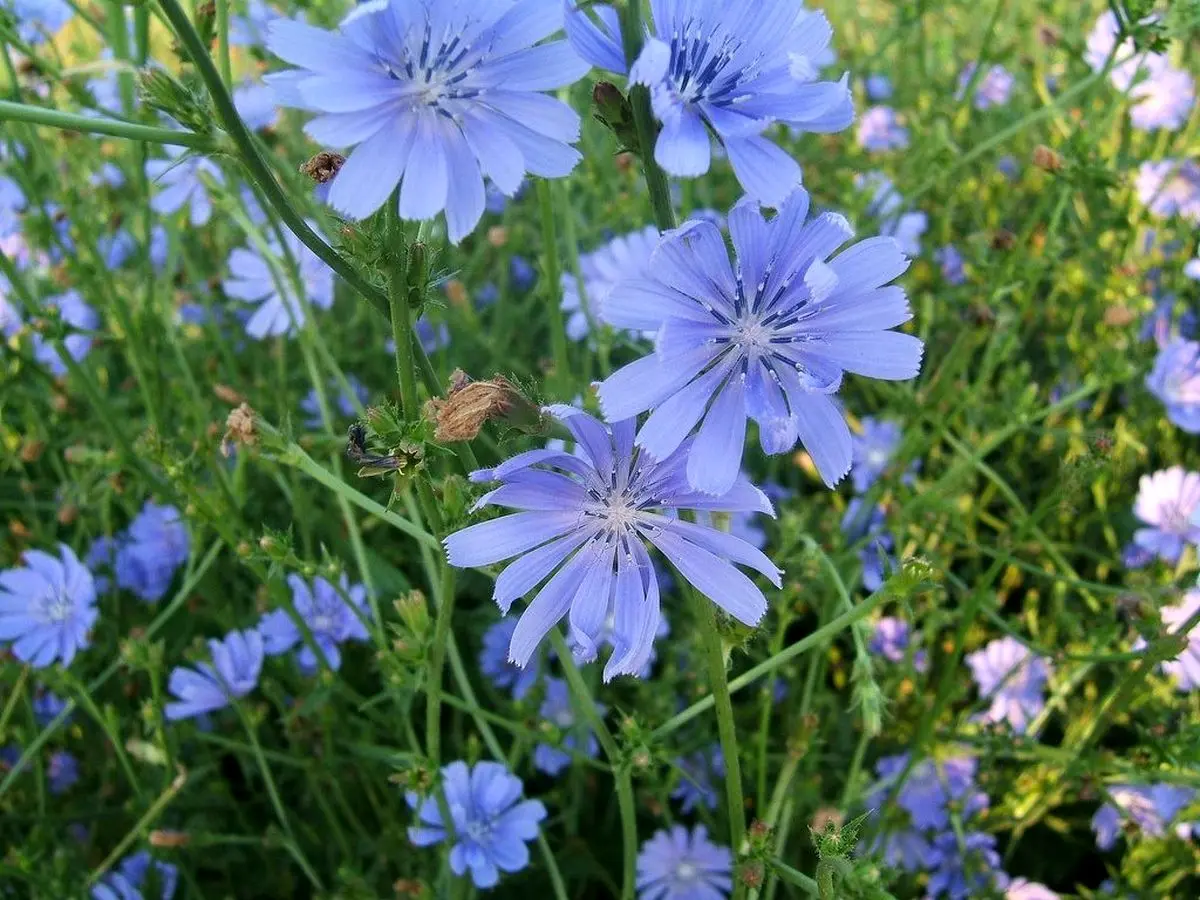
(266,283)
(1175,380)
(1166,502)
(556,709)
(625,256)
(236,664)
(75,312)
(1013,679)
(47,607)
(683,865)
(179,182)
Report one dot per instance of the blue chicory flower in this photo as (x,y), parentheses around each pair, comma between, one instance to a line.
(931,789)
(556,709)
(1151,809)
(491,824)
(135,876)
(333,615)
(436,97)
(1021,889)
(344,404)
(499,669)
(678,865)
(1166,502)
(1175,380)
(152,549)
(47,607)
(887,207)
(47,706)
(74,311)
(879,87)
(872,451)
(62,771)
(108,175)
(729,69)
(891,639)
(160,247)
(236,664)
(521,273)
(961,871)
(251,29)
(1169,187)
(623,257)
(869,523)
(775,355)
(951,263)
(1184,669)
(12,201)
(116,248)
(256,104)
(589,517)
(1163,100)
(38,20)
(264,281)
(699,772)
(1129,64)
(879,130)
(181,184)
(993,89)
(1013,679)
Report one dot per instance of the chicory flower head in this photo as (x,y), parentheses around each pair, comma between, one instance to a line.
(879,130)
(47,607)
(1013,679)
(491,825)
(930,790)
(334,615)
(1166,502)
(891,639)
(1169,187)
(1128,62)
(697,773)
(872,451)
(683,865)
(344,404)
(866,523)
(1175,380)
(887,207)
(556,709)
(585,524)
(951,262)
(733,69)
(153,548)
(74,311)
(434,97)
(879,87)
(38,20)
(992,89)
(256,104)
(267,282)
(1185,668)
(498,668)
(768,339)
(966,868)
(1151,809)
(135,877)
(626,256)
(236,664)
(181,184)
(1164,100)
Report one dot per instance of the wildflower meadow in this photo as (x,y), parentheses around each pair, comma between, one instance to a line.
(568,450)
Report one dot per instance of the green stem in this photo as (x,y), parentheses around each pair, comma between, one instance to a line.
(437,662)
(714,658)
(152,813)
(223,42)
(643,120)
(816,639)
(402,335)
(553,277)
(799,879)
(40,115)
(621,773)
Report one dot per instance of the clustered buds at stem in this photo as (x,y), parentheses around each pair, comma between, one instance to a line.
(239,429)
(469,404)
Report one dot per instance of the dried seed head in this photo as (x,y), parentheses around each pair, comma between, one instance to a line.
(1050,160)
(228,395)
(469,404)
(322,167)
(239,428)
(162,837)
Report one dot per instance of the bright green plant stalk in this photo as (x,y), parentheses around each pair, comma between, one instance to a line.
(643,120)
(223,42)
(552,275)
(161,802)
(714,659)
(620,767)
(40,115)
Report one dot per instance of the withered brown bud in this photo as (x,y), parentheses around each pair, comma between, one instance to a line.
(456,292)
(1003,239)
(1048,159)
(162,837)
(31,451)
(497,235)
(469,404)
(751,874)
(228,395)
(322,167)
(67,513)
(239,428)
(825,816)
(1118,316)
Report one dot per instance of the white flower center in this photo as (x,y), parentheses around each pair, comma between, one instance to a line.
(322,623)
(56,608)
(685,871)
(877,458)
(751,334)
(478,830)
(620,514)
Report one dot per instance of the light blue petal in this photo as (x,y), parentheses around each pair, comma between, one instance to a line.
(646,382)
(489,542)
(546,609)
(373,170)
(716,457)
(713,577)
(524,574)
(766,172)
(683,147)
(890,355)
(427,176)
(599,46)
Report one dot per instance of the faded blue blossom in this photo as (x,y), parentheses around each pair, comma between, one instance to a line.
(967,869)
(179,182)
(1150,809)
(138,877)
(768,338)
(38,20)
(1166,503)
(1175,380)
(585,524)
(521,273)
(151,551)
(267,282)
(869,523)
(1170,187)
(207,687)
(440,97)
(343,405)
(333,614)
(887,207)
(1163,100)
(700,774)
(992,89)
(556,709)
(713,66)
(872,451)
(891,639)
(47,607)
(1013,679)
(12,202)
(683,865)
(879,87)
(1184,669)
(625,256)
(256,104)
(879,130)
(62,771)
(498,668)
(491,824)
(47,706)
(951,263)
(74,312)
